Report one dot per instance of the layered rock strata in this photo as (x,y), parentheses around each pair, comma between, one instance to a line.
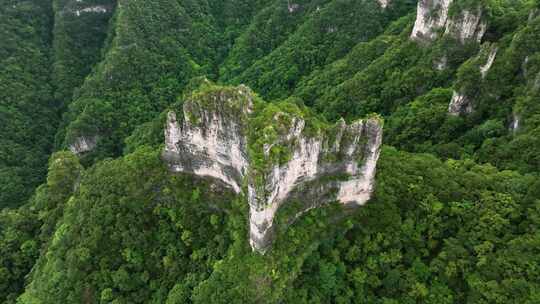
(215,138)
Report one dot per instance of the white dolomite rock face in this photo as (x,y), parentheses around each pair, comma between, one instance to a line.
(484,69)
(359,189)
(431,16)
(83,144)
(467,26)
(459,105)
(384,3)
(516,121)
(211,141)
(358,147)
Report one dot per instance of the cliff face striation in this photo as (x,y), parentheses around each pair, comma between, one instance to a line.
(273,155)
(433,18)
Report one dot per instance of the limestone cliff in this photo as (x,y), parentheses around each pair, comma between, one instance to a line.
(210,139)
(433,18)
(273,155)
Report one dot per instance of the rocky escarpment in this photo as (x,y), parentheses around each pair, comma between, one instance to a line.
(210,138)
(273,155)
(462,99)
(334,165)
(433,17)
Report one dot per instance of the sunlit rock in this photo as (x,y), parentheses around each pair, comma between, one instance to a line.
(210,139)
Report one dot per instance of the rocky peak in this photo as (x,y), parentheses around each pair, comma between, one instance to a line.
(274,155)
(433,16)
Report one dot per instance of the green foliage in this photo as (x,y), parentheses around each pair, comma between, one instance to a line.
(25,231)
(435,233)
(28,114)
(113,202)
(326,35)
(125,230)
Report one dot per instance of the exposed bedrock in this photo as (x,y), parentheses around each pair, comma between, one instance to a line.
(329,164)
(462,99)
(433,18)
(83,144)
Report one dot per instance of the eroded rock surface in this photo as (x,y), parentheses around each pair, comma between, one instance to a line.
(462,102)
(215,138)
(468,25)
(460,105)
(433,17)
(210,140)
(348,152)
(484,69)
(83,144)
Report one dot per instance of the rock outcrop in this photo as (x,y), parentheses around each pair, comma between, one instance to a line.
(516,122)
(210,140)
(384,3)
(273,162)
(484,69)
(80,7)
(83,144)
(467,26)
(462,103)
(433,17)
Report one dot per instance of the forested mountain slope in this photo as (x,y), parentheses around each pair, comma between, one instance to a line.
(204,151)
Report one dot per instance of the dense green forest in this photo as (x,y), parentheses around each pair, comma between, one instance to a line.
(90,212)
